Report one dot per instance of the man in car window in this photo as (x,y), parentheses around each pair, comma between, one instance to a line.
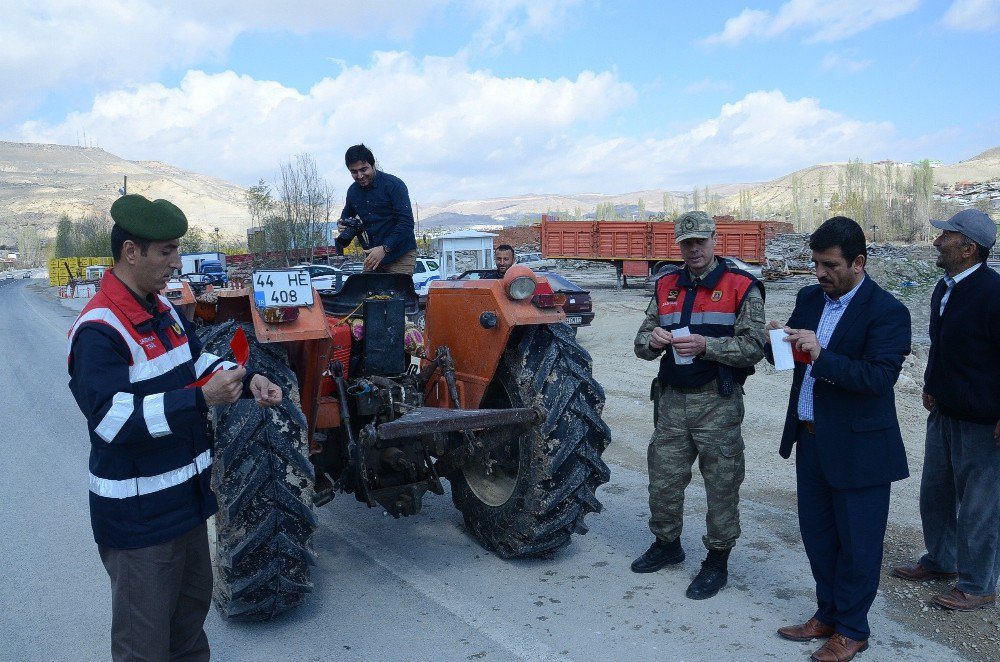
(503,258)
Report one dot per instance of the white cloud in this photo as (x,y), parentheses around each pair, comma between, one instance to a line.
(52,45)
(436,119)
(839,63)
(973,15)
(826,21)
(455,133)
(507,23)
(762,135)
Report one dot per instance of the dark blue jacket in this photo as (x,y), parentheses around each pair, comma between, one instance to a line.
(963,369)
(857,432)
(151,456)
(385,211)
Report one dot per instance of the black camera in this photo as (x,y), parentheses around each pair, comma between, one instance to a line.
(353,227)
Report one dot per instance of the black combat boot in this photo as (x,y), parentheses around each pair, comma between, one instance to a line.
(658,555)
(712,577)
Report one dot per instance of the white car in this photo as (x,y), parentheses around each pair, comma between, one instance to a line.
(534,261)
(425,270)
(754,270)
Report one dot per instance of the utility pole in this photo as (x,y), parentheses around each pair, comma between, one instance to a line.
(124,189)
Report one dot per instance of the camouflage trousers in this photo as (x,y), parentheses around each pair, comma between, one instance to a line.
(706,426)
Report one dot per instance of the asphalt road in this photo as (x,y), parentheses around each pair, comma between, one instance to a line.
(412,589)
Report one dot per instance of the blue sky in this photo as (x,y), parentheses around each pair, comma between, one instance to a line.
(488,98)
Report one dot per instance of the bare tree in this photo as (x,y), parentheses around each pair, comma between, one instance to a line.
(305,204)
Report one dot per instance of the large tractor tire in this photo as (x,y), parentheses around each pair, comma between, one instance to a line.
(533,493)
(263,480)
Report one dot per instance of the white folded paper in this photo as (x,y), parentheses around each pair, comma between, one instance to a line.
(782,350)
(681,333)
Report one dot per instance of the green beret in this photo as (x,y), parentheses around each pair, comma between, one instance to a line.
(156,220)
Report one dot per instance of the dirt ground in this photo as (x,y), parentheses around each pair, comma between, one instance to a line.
(769,478)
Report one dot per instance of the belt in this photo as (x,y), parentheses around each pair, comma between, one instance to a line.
(704,388)
(809,426)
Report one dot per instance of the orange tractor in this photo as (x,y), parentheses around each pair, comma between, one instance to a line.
(498,399)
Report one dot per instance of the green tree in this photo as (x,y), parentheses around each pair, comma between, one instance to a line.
(196,241)
(65,239)
(93,236)
(746,205)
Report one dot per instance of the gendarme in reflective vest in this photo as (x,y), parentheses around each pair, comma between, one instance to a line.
(151,457)
(708,309)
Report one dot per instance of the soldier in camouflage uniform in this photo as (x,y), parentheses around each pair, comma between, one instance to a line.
(698,406)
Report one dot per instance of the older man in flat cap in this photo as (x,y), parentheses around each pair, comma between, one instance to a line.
(705,324)
(132,356)
(959,497)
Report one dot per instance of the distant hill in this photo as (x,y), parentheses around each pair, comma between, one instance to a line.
(777,193)
(509,210)
(39,183)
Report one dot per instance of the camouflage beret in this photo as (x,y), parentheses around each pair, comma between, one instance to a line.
(156,220)
(693,225)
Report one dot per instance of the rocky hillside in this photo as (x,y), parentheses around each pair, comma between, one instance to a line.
(39,183)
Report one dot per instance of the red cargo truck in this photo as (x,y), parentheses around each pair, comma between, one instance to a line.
(640,248)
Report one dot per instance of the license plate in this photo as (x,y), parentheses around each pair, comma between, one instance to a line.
(282,288)
(574,319)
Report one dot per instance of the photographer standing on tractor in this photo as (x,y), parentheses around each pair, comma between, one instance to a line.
(382,204)
(706,326)
(132,357)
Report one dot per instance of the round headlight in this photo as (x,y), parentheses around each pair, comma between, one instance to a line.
(521,288)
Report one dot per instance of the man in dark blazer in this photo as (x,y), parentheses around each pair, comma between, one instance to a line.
(842,416)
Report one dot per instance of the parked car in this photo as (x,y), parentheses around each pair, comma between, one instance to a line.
(754,270)
(214,272)
(534,261)
(319,270)
(425,270)
(198,282)
(733,263)
(323,276)
(352,267)
(579,307)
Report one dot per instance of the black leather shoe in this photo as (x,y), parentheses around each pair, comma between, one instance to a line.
(659,555)
(712,577)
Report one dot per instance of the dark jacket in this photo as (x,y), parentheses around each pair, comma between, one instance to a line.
(857,432)
(963,369)
(150,457)
(385,211)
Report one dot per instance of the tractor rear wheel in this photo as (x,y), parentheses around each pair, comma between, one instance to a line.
(528,497)
(264,483)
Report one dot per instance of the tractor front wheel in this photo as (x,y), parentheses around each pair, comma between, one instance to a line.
(529,496)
